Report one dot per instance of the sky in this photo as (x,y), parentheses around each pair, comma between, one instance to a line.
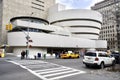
(78,4)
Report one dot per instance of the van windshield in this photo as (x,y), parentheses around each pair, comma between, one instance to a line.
(90,54)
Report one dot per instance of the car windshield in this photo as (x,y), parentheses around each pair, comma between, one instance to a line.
(90,54)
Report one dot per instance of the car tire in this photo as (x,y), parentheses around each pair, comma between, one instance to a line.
(87,65)
(78,57)
(102,65)
(70,57)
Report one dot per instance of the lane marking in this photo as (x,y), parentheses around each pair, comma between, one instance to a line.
(30,62)
(40,76)
(59,73)
(54,71)
(48,69)
(51,75)
(63,76)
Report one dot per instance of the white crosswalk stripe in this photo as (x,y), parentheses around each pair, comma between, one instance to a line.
(46,70)
(59,73)
(59,77)
(54,71)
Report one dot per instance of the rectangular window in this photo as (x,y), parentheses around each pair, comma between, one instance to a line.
(102,55)
(40,1)
(37,8)
(37,4)
(90,54)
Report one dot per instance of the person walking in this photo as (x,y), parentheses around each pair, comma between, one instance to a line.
(23,54)
(56,54)
(39,55)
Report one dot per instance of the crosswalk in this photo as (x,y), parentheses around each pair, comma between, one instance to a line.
(46,70)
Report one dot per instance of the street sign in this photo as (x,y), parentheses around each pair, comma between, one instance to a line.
(9,27)
(30,40)
(27,37)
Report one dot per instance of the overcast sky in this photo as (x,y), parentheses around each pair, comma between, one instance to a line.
(78,4)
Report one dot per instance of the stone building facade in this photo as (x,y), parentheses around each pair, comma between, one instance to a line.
(110,10)
(13,8)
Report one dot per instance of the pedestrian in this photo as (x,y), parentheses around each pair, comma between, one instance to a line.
(44,56)
(35,57)
(56,54)
(39,55)
(23,54)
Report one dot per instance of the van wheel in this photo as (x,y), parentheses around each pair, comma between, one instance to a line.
(102,65)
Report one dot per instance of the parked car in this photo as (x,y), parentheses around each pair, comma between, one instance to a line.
(116,55)
(98,58)
(69,55)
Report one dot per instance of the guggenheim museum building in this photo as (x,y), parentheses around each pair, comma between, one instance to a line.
(71,29)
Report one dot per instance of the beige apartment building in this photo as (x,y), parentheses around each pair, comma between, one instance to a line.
(13,8)
(110,10)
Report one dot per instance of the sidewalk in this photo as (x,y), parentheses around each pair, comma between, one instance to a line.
(12,57)
(116,68)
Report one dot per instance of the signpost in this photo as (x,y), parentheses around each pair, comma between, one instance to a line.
(28,45)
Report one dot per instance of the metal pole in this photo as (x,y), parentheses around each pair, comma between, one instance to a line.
(27,51)
(28,38)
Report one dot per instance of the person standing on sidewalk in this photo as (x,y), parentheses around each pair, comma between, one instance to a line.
(39,55)
(23,54)
(44,56)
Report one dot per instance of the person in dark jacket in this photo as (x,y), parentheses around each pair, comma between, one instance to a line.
(23,54)
(39,55)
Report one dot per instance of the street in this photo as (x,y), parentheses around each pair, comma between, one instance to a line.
(52,69)
(91,73)
(9,71)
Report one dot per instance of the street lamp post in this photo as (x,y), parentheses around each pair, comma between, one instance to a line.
(27,44)
(28,38)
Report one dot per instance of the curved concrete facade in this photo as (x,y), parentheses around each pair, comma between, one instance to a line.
(81,23)
(42,41)
(70,29)
(49,40)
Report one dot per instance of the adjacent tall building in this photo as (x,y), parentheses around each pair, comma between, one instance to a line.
(110,9)
(13,8)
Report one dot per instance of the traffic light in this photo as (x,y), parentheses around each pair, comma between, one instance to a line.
(9,27)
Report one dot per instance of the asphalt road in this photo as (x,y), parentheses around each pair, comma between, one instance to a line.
(9,71)
(91,73)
